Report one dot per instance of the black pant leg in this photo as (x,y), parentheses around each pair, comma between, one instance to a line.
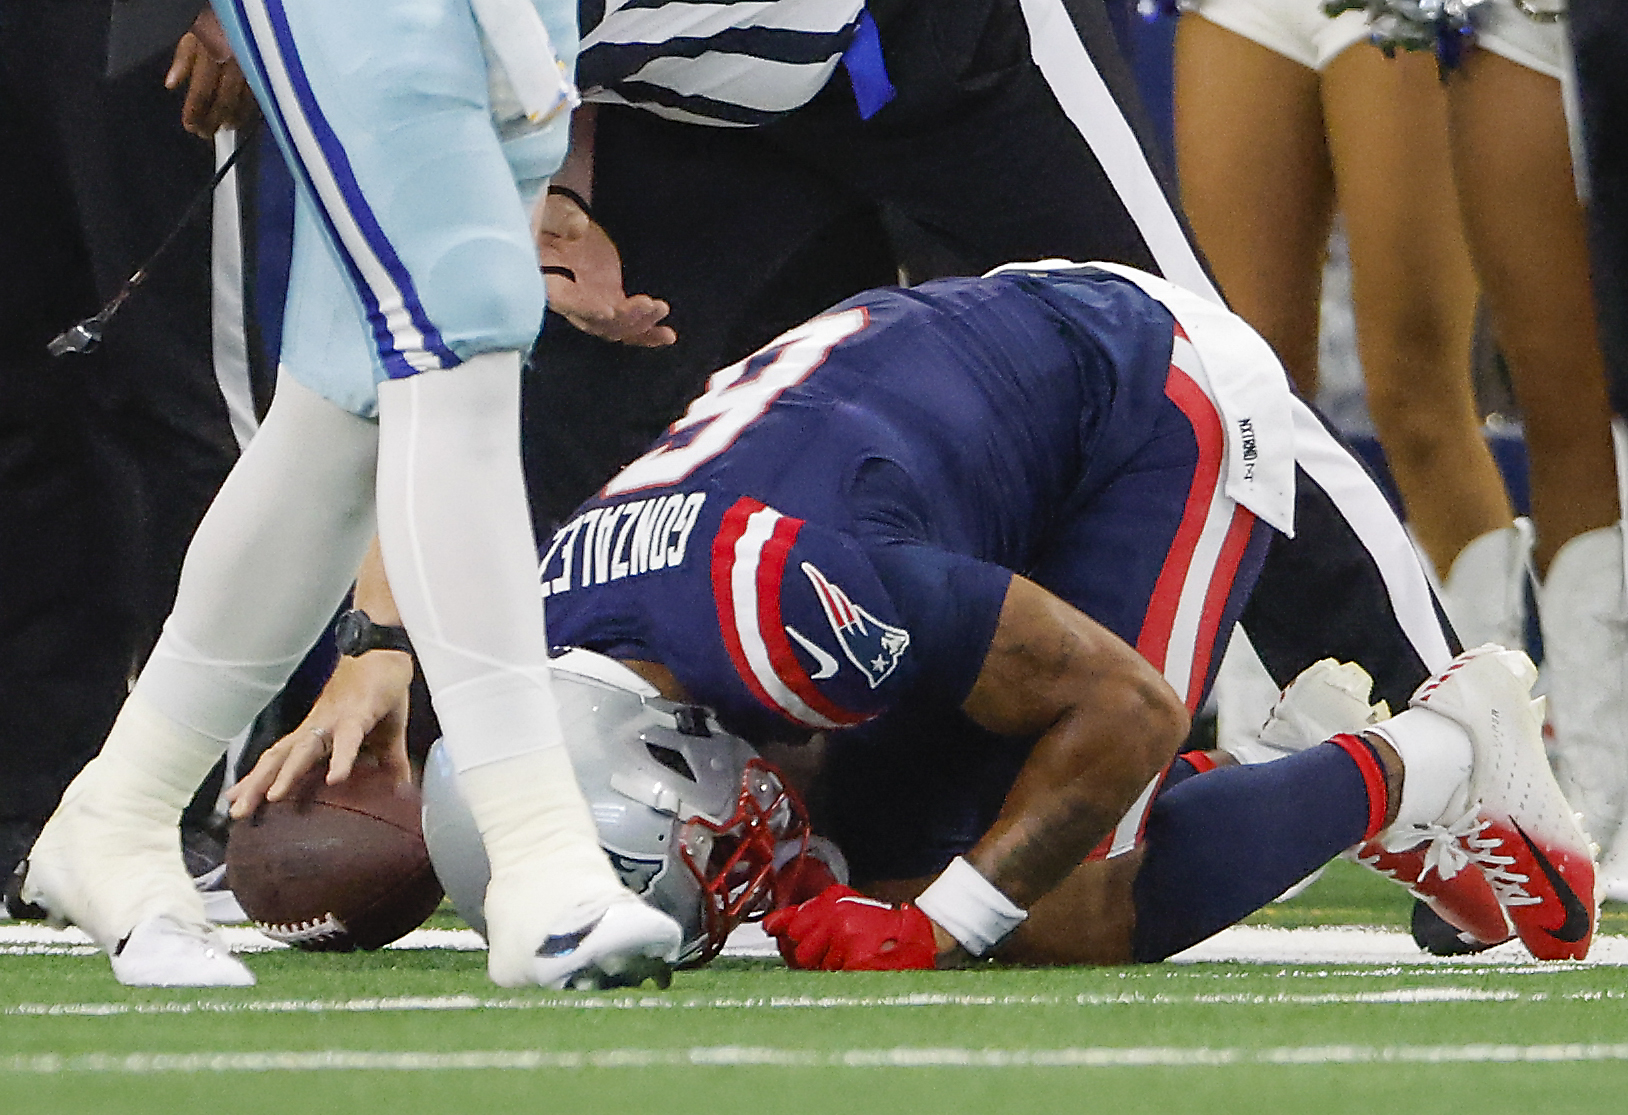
(107,460)
(1349,585)
(161,428)
(64,664)
(1600,45)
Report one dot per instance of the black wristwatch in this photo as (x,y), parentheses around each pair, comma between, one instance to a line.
(355,634)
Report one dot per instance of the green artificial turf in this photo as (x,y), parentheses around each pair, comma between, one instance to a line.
(750,1036)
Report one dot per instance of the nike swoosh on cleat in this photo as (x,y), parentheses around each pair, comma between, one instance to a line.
(564,944)
(1576,925)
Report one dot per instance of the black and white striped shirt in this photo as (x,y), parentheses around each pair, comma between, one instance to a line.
(731,63)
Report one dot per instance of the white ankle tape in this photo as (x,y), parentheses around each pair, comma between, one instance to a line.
(970,908)
(1436,760)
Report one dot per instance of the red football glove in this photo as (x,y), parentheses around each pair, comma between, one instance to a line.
(802,879)
(840,930)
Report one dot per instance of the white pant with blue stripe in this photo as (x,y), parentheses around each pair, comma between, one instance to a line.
(412,250)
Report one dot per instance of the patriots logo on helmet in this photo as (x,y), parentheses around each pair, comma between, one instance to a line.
(872,646)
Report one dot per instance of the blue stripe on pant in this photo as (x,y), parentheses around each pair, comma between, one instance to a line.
(410,219)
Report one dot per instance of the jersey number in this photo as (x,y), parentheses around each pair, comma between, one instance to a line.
(736,397)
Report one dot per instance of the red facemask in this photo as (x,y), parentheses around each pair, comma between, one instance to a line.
(734,861)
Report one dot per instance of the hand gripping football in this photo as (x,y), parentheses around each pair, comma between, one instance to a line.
(335,868)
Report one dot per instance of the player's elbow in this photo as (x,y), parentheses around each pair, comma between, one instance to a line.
(1152,722)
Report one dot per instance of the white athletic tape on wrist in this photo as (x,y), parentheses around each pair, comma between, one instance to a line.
(970,908)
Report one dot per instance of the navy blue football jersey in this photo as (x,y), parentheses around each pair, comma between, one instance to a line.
(829,531)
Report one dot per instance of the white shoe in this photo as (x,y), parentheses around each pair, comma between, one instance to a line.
(163,952)
(1485,592)
(1528,842)
(622,946)
(1327,699)
(104,864)
(1585,642)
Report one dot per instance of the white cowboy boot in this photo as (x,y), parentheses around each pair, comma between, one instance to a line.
(1485,591)
(1585,637)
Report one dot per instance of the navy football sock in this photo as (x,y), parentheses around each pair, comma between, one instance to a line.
(1222,846)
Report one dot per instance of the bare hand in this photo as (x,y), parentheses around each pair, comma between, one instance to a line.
(217,93)
(584,274)
(363,709)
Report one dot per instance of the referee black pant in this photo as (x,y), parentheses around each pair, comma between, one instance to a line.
(107,460)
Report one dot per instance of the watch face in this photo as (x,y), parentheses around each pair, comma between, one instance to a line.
(350,633)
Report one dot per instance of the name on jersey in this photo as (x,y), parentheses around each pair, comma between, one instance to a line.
(620,540)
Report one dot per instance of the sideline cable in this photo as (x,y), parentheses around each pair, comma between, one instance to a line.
(87,334)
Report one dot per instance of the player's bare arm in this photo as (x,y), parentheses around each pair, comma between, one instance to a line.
(1106,722)
(1105,725)
(362,712)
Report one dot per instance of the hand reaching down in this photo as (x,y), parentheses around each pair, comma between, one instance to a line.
(584,274)
(363,709)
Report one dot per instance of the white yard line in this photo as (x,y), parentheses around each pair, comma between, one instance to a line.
(1248,944)
(136,1064)
(1349,944)
(32,938)
(1402,996)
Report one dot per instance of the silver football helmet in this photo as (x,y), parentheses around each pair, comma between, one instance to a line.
(693,820)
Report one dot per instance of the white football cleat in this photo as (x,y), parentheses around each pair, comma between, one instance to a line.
(1331,698)
(1528,841)
(109,858)
(104,864)
(163,952)
(622,946)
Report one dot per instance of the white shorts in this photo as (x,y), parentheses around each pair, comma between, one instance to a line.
(1296,29)
(1538,45)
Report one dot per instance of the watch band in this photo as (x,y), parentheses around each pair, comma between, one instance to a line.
(355,634)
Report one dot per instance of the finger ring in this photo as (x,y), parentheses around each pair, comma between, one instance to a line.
(325,736)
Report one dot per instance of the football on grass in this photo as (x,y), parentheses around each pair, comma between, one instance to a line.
(335,868)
